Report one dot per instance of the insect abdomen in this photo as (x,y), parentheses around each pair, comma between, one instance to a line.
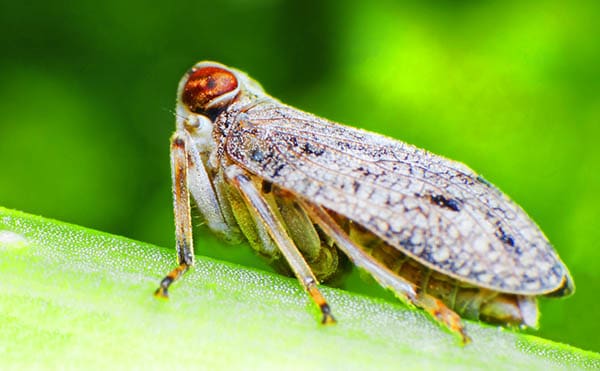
(324,259)
(467,300)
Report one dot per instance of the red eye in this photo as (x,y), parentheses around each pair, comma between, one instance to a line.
(206,84)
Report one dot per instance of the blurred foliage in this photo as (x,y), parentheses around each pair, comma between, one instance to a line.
(510,88)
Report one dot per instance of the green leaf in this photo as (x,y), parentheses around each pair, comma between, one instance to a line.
(77,298)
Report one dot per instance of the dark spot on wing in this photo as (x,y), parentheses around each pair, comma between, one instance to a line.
(505,237)
(407,243)
(257,155)
(448,203)
(364,171)
(312,150)
(277,170)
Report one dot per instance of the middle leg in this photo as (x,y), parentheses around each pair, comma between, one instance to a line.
(260,207)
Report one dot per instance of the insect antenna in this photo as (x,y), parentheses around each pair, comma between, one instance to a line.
(171,111)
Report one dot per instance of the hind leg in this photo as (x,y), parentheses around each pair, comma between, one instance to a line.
(404,290)
(447,317)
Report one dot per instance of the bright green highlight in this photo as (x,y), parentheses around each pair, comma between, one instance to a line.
(78,298)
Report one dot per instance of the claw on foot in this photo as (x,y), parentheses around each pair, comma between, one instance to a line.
(444,315)
(318,298)
(328,318)
(465,338)
(161,293)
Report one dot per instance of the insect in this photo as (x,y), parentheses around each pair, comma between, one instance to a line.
(308,193)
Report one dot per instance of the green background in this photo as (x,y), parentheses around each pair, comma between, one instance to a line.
(510,88)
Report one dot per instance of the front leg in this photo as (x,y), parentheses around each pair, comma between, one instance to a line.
(183,219)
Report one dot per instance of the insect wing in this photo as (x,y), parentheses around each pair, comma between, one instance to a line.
(433,209)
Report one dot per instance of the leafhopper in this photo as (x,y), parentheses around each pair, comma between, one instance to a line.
(307,193)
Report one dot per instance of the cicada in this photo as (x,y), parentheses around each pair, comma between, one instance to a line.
(308,194)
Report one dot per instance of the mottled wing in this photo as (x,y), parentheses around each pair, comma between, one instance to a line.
(435,210)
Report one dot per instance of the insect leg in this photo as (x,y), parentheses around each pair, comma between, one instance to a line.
(404,290)
(183,219)
(209,201)
(438,310)
(256,201)
(321,255)
(359,257)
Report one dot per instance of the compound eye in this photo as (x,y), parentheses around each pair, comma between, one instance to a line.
(205,86)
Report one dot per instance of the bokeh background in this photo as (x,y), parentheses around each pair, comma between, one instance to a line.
(509,87)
